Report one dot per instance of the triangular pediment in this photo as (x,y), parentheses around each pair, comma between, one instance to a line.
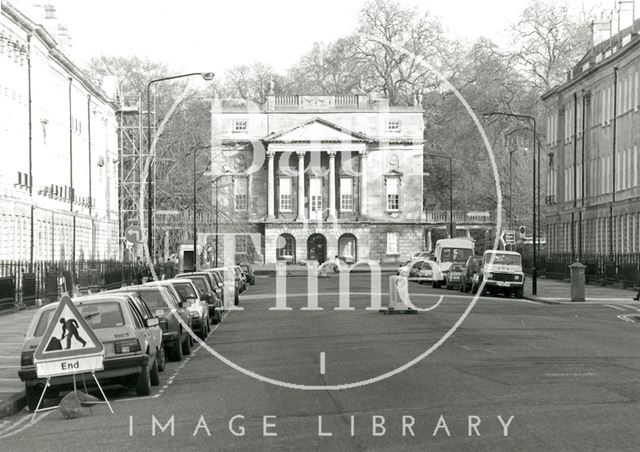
(317,130)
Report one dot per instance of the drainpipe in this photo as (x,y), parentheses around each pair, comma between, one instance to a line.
(613,165)
(90,175)
(575,175)
(71,194)
(30,113)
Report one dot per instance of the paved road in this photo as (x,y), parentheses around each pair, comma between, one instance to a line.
(562,377)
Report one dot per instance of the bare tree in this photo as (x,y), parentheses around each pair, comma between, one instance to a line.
(549,40)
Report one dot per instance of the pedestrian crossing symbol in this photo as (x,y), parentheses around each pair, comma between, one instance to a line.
(68,345)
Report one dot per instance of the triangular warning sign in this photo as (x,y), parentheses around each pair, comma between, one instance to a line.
(68,335)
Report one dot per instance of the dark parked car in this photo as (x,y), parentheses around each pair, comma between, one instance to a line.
(453,278)
(248,271)
(470,275)
(241,278)
(222,273)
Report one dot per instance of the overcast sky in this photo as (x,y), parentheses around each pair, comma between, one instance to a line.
(199,35)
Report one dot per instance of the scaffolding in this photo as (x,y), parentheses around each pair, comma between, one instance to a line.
(133,157)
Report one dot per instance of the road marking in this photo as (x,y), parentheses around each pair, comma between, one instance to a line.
(630,318)
(614,307)
(569,374)
(11,430)
(322,363)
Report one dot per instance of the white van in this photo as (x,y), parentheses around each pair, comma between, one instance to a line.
(447,252)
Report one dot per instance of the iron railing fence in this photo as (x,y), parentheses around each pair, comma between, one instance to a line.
(23,282)
(603,269)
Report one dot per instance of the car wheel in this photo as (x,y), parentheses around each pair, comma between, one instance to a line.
(33,396)
(162,361)
(154,374)
(520,293)
(186,345)
(236,299)
(217,317)
(143,382)
(176,351)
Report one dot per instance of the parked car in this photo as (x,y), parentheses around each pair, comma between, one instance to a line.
(470,273)
(415,268)
(502,273)
(241,276)
(156,333)
(453,278)
(224,273)
(405,269)
(248,271)
(130,357)
(194,303)
(207,285)
(161,300)
(423,273)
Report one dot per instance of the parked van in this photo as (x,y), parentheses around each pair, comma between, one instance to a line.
(448,251)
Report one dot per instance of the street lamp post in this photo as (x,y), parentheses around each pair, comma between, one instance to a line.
(506,137)
(206,76)
(215,181)
(195,204)
(451,231)
(534,281)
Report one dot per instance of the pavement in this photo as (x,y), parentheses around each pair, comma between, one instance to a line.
(557,291)
(13,326)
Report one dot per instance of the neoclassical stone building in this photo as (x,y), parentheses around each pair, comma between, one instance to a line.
(319,176)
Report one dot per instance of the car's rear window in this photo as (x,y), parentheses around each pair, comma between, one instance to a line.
(185,290)
(217,277)
(97,315)
(154,300)
(200,284)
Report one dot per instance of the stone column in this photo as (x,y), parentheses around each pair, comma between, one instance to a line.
(332,185)
(301,215)
(270,187)
(362,195)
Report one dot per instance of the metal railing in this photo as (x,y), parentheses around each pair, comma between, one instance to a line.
(621,269)
(23,284)
(461,217)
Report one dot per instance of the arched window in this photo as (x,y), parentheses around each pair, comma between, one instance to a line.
(286,248)
(348,248)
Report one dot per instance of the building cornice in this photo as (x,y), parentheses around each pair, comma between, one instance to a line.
(26,24)
(616,56)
